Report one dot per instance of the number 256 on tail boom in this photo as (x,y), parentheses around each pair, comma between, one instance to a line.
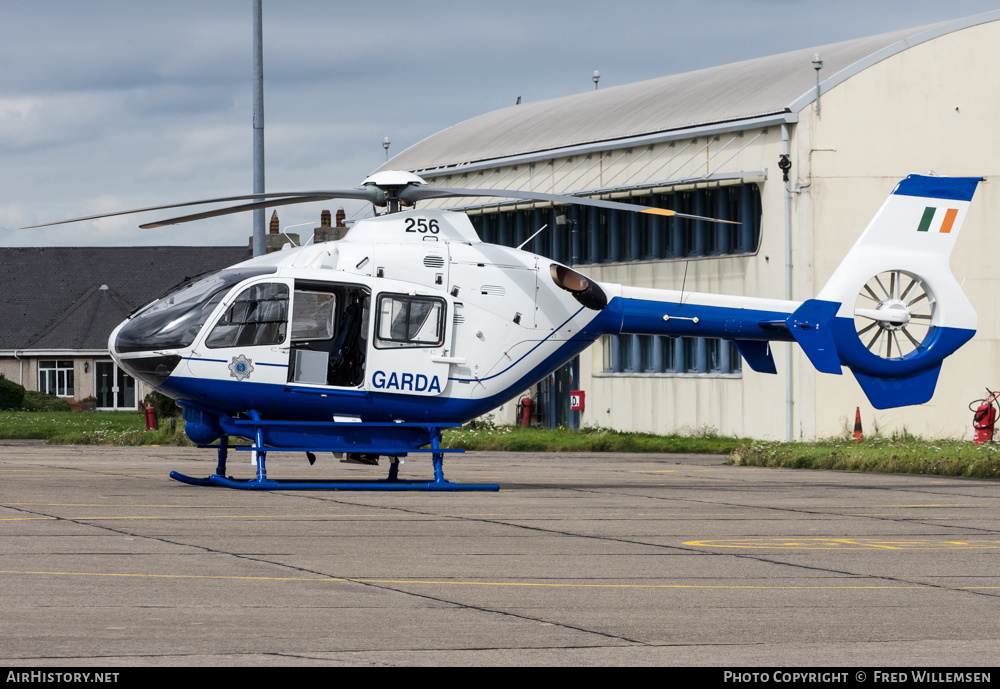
(372,344)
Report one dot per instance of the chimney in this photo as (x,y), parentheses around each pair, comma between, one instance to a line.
(275,225)
(325,233)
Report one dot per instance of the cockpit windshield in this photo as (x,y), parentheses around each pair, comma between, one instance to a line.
(174,321)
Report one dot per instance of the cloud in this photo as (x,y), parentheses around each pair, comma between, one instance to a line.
(118,104)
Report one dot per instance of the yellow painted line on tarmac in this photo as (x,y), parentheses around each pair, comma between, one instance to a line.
(170,576)
(860,507)
(227,516)
(179,507)
(514,584)
(866,545)
(202,517)
(845,544)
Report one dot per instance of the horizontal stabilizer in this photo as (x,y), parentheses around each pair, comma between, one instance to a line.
(757,354)
(812,327)
(886,393)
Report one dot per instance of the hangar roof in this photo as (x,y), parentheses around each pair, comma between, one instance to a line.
(766,86)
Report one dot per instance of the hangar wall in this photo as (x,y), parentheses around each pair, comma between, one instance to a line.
(931,105)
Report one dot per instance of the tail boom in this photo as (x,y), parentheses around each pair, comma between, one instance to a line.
(891,312)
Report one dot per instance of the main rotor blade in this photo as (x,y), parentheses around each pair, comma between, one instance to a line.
(419,193)
(235,209)
(371,194)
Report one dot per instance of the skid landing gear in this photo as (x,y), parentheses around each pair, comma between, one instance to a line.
(391,483)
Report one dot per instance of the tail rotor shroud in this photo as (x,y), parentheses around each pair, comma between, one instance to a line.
(894,314)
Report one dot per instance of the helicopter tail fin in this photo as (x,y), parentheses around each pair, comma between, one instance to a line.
(892,311)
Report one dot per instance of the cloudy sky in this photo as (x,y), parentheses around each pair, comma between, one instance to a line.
(108,105)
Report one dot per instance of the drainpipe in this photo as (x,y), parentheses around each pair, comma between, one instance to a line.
(20,369)
(788,290)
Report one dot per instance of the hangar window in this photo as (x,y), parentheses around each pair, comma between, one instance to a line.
(646,354)
(577,234)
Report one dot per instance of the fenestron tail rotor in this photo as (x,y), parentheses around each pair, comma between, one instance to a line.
(893,314)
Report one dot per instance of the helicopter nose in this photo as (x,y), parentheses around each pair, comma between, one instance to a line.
(151,368)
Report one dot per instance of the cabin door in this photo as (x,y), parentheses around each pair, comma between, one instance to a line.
(410,344)
(249,341)
(329,334)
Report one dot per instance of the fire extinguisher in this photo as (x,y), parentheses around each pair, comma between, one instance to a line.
(524,411)
(152,423)
(984,418)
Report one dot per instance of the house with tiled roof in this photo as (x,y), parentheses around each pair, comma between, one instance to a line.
(58,307)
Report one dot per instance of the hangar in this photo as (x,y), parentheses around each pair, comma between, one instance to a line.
(852,119)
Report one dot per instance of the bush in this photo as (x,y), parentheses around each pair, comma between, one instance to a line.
(39,401)
(11,394)
(165,407)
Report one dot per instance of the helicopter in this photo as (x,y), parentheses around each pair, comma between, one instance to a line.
(409,324)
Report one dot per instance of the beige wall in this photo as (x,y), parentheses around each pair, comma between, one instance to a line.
(931,107)
(24,371)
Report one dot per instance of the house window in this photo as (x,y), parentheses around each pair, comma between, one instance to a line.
(56,378)
(113,388)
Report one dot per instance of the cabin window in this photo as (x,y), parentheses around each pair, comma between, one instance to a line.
(408,321)
(312,315)
(257,317)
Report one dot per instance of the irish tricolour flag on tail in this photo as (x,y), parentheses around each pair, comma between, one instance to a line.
(937,220)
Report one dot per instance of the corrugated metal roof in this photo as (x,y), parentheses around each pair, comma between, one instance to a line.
(727,93)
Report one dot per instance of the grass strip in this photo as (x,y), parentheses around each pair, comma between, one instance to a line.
(897,454)
(905,455)
(518,439)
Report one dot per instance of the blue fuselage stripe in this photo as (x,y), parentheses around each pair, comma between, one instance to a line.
(643,317)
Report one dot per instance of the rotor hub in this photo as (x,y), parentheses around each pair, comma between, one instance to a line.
(897,314)
(893,314)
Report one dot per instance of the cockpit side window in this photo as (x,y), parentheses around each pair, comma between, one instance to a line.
(258,316)
(409,321)
(174,320)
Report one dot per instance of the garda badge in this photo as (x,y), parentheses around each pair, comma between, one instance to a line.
(240,367)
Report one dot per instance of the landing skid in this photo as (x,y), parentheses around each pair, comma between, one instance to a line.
(391,483)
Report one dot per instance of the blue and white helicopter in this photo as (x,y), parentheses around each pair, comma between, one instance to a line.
(372,344)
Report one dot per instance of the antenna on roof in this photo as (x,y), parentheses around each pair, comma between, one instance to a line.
(817,65)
